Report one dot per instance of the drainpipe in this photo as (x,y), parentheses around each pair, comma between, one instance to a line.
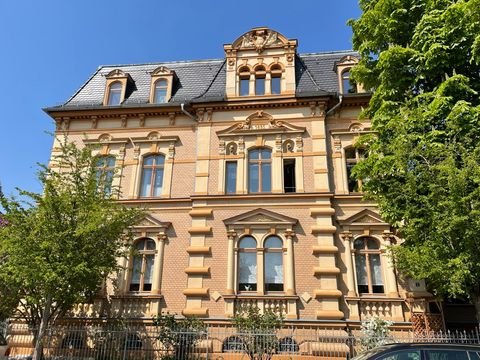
(340,98)
(182,106)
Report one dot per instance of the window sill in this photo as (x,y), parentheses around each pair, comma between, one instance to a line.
(136,295)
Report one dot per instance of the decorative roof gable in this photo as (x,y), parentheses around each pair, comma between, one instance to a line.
(260,122)
(365,217)
(260,217)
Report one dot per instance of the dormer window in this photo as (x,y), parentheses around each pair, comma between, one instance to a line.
(260,74)
(244,78)
(115,93)
(276,79)
(116,87)
(348,85)
(161,85)
(161,88)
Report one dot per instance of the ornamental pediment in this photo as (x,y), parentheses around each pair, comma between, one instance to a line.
(364,217)
(259,39)
(261,122)
(151,223)
(260,217)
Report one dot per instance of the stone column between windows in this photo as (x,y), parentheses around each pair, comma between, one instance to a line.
(347,238)
(290,271)
(158,267)
(231,262)
(391,281)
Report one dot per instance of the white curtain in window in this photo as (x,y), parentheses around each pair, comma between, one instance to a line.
(361,268)
(247,268)
(376,270)
(148,276)
(137,269)
(273,268)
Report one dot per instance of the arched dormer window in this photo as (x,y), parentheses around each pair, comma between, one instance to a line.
(276,80)
(142,265)
(348,85)
(368,266)
(115,93)
(161,89)
(260,75)
(260,170)
(244,81)
(161,86)
(152,175)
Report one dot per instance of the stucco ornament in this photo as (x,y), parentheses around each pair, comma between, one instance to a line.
(260,39)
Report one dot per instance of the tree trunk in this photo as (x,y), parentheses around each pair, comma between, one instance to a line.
(38,352)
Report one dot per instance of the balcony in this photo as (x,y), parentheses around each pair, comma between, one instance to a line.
(285,306)
(362,308)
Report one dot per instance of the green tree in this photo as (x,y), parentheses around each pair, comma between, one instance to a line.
(421,58)
(257,332)
(57,249)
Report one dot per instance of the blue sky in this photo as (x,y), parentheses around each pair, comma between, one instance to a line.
(49,48)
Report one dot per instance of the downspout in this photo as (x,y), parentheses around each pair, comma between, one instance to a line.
(340,98)
(182,107)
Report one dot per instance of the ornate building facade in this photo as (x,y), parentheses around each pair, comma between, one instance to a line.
(243,164)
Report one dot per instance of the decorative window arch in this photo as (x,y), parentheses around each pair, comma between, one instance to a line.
(353,155)
(142,264)
(368,265)
(260,170)
(160,91)
(104,171)
(115,93)
(152,175)
(348,85)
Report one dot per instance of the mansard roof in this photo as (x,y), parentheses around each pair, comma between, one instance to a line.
(203,81)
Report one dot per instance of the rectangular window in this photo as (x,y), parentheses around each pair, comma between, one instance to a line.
(244,86)
(275,84)
(273,271)
(247,277)
(260,86)
(231,177)
(289,175)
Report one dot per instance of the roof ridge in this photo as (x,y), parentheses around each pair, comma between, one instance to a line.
(333,52)
(165,62)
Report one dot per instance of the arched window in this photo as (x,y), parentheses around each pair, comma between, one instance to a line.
(104,170)
(348,85)
(161,87)
(352,157)
(244,79)
(260,170)
(288,345)
(152,175)
(233,344)
(260,74)
(276,80)
(114,93)
(247,264)
(368,266)
(74,340)
(142,265)
(273,264)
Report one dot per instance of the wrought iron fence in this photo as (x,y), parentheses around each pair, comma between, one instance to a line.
(215,341)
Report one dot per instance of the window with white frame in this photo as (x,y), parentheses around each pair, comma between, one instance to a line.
(272,274)
(115,93)
(104,171)
(348,85)
(152,175)
(260,170)
(142,264)
(368,265)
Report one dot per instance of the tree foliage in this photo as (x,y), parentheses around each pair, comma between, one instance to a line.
(57,249)
(421,58)
(257,332)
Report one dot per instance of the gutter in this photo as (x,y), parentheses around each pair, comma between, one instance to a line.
(340,98)
(182,107)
